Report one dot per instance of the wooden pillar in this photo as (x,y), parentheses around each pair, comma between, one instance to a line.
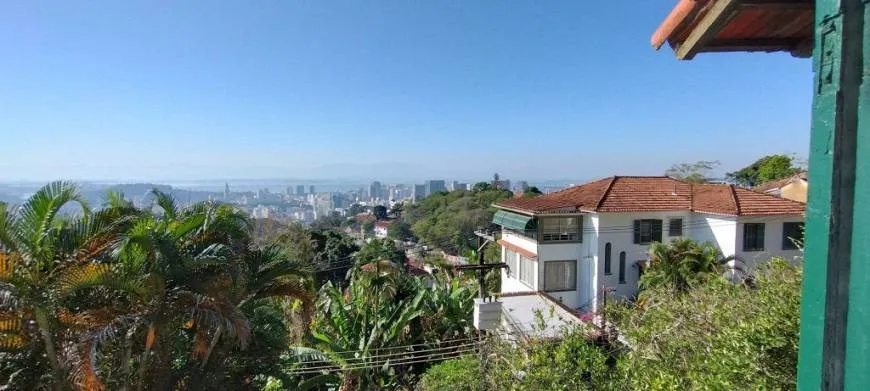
(835,312)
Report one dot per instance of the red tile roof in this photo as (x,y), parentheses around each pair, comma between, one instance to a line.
(655,194)
(383,223)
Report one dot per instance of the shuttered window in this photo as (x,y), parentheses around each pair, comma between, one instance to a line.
(527,271)
(792,235)
(607,269)
(753,237)
(622,267)
(647,231)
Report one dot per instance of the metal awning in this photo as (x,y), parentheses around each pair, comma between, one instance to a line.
(513,220)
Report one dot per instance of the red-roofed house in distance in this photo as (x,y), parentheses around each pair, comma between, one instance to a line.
(572,243)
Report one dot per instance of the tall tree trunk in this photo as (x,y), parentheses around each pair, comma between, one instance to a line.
(214,342)
(146,355)
(45,332)
(126,355)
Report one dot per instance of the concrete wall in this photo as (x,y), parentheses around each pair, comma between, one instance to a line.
(509,278)
(796,190)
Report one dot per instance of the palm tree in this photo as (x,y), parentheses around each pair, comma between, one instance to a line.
(45,257)
(265,275)
(683,263)
(175,266)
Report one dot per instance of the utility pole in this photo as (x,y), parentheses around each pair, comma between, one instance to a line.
(481,305)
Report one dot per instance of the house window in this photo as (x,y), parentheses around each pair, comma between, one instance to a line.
(607,270)
(527,271)
(675,227)
(510,258)
(792,234)
(753,237)
(560,229)
(560,276)
(622,267)
(647,231)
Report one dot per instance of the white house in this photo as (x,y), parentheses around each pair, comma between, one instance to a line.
(572,244)
(382,228)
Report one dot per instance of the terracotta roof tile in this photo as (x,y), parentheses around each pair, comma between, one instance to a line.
(655,194)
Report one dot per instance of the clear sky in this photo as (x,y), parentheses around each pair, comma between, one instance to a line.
(377,89)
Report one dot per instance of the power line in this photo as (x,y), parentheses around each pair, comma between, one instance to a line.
(381,357)
(410,360)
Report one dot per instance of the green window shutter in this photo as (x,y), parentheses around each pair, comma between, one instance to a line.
(637,231)
(657,231)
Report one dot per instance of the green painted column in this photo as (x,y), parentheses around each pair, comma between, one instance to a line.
(835,313)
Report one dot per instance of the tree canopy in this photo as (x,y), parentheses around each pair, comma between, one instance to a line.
(448,220)
(698,172)
(766,169)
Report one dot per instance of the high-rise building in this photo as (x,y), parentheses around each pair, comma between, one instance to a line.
(300,189)
(418,193)
(522,185)
(311,189)
(289,190)
(376,190)
(226,191)
(434,186)
(502,184)
(456,185)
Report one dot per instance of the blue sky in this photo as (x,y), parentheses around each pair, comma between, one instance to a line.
(377,89)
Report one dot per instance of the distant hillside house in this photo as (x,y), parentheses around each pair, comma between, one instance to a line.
(573,243)
(381,228)
(793,187)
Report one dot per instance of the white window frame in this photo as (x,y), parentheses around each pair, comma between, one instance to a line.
(570,273)
(562,229)
(527,271)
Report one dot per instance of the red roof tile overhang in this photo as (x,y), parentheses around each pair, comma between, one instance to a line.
(517,249)
(698,26)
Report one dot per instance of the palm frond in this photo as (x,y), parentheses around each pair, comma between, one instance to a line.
(7,222)
(8,262)
(37,214)
(166,203)
(83,276)
(12,342)
(84,373)
(11,322)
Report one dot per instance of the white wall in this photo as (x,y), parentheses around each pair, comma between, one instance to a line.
(719,230)
(509,281)
(772,240)
(520,241)
(618,230)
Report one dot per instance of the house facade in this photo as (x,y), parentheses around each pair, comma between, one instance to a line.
(793,188)
(576,243)
(382,228)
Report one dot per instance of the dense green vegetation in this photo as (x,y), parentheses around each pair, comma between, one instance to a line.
(766,169)
(711,334)
(171,297)
(449,219)
(123,298)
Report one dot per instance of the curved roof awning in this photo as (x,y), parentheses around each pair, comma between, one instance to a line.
(514,221)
